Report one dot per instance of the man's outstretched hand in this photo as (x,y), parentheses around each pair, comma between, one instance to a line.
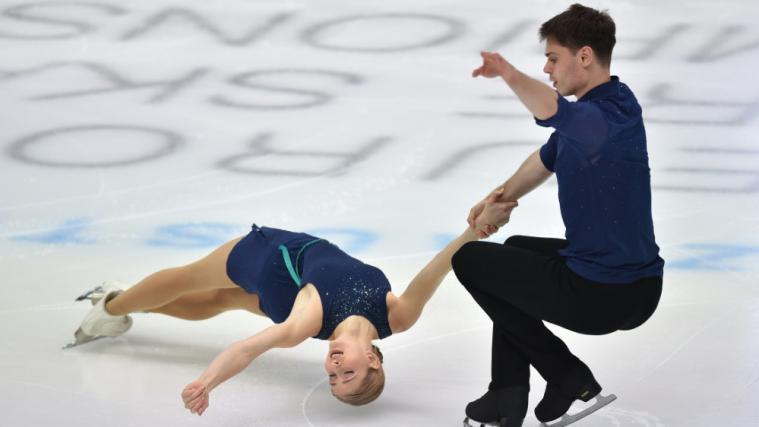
(493,65)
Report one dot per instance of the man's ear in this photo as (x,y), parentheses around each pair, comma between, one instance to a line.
(586,55)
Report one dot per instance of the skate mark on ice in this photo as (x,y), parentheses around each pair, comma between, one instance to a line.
(622,417)
(679,348)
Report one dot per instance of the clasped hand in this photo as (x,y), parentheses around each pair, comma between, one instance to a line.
(487,216)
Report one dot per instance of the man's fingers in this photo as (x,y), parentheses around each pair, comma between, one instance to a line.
(506,205)
(495,195)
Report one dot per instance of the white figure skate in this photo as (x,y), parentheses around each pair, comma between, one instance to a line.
(99,323)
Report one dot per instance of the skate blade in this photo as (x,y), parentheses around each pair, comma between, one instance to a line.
(468,422)
(87,294)
(81,338)
(568,419)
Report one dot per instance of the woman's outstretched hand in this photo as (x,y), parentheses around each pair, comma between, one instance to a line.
(195,397)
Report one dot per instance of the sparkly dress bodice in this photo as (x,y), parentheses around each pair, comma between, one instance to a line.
(346,287)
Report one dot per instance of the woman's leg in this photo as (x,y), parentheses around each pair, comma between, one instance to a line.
(165,286)
(206,304)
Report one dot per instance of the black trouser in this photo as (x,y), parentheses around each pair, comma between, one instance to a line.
(525,281)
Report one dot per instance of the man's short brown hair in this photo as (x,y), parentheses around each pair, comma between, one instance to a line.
(581,26)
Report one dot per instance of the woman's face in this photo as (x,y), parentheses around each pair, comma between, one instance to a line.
(347,364)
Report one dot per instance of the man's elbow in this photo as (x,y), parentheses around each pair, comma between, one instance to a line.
(547,111)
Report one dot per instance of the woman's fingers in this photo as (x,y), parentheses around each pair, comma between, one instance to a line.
(198,391)
(198,407)
(193,391)
(201,406)
(195,397)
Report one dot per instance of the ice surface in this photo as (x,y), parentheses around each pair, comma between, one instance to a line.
(138,135)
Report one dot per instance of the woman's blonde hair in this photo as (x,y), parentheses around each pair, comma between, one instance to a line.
(371,387)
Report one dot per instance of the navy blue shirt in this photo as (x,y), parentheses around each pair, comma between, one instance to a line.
(598,152)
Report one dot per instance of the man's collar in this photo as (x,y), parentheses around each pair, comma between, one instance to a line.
(604,90)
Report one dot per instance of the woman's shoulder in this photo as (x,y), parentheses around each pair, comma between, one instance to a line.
(306,314)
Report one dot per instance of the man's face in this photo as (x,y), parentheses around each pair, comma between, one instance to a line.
(564,68)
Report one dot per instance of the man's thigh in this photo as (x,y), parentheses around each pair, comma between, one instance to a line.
(539,285)
(544,245)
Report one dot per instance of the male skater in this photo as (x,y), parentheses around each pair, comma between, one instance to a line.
(607,274)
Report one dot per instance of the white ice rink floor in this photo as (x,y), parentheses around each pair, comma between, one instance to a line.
(137,135)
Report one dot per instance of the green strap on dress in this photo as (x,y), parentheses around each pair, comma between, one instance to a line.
(289,264)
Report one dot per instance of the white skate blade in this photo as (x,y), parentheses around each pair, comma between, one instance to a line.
(81,338)
(468,422)
(87,294)
(98,292)
(94,295)
(568,419)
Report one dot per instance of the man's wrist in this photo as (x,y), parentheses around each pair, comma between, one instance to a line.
(509,73)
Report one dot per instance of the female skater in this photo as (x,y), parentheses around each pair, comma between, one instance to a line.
(306,285)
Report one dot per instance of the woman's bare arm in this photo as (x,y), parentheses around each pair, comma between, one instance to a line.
(406,309)
(304,321)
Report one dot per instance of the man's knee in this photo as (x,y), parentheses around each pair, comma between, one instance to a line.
(516,240)
(464,261)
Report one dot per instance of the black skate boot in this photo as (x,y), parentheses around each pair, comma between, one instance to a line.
(504,407)
(558,398)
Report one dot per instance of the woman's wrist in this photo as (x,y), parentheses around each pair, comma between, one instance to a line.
(470,234)
(208,381)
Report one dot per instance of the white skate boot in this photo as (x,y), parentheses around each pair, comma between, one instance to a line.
(98,323)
